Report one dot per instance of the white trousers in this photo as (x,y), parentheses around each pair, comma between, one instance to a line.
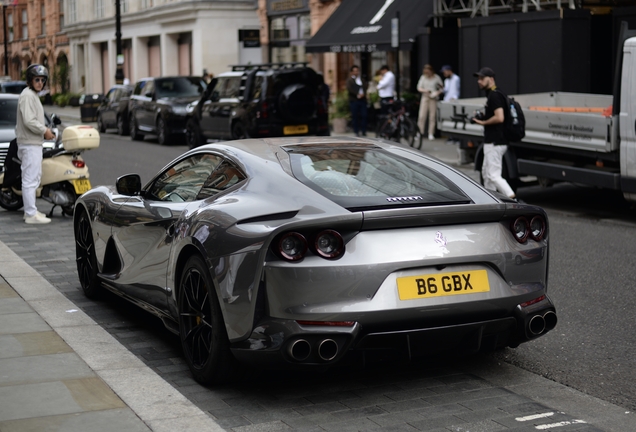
(491,169)
(31,157)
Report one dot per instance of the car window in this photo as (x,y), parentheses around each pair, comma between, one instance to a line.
(258,87)
(149,89)
(224,177)
(139,87)
(109,95)
(183,181)
(8,112)
(228,88)
(179,87)
(370,177)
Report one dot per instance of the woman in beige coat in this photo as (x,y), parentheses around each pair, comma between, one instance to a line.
(431,86)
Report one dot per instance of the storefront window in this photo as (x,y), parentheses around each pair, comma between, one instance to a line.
(288,35)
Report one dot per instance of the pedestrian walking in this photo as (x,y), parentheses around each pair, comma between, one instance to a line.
(430,85)
(386,89)
(357,90)
(31,132)
(451,83)
(495,143)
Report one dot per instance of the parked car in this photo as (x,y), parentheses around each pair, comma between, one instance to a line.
(295,252)
(14,87)
(260,101)
(158,106)
(113,111)
(8,120)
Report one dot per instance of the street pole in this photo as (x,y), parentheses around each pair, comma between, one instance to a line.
(395,43)
(119,73)
(4,29)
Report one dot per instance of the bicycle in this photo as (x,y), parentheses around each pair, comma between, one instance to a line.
(399,125)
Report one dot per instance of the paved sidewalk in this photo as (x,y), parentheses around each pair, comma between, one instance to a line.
(60,371)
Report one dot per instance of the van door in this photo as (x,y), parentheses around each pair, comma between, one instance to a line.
(627,117)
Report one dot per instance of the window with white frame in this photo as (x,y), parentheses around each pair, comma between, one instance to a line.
(61,14)
(123,4)
(99,8)
(42,19)
(72,11)
(145,4)
(10,22)
(25,25)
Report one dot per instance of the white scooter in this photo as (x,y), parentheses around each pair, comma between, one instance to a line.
(64,172)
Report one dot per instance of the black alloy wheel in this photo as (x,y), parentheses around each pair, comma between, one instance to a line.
(239,131)
(101,127)
(121,126)
(163,136)
(85,257)
(9,200)
(201,326)
(193,134)
(134,129)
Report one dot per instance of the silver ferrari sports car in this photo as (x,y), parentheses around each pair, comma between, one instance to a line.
(298,251)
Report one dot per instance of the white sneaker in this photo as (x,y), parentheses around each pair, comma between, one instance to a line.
(37,213)
(431,137)
(38,218)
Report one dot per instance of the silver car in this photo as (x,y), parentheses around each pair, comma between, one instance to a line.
(295,252)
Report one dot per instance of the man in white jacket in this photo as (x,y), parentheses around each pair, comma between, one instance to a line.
(31,131)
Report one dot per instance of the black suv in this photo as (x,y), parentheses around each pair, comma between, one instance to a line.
(158,106)
(267,100)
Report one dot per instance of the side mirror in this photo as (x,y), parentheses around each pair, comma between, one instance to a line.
(55,120)
(129,184)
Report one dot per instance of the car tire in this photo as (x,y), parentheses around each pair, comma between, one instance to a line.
(122,127)
(193,134)
(101,127)
(239,131)
(163,136)
(10,201)
(134,129)
(85,257)
(205,343)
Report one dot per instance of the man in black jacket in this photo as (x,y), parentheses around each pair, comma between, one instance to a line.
(495,143)
(357,89)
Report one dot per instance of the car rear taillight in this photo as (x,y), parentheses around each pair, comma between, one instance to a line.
(329,244)
(263,111)
(533,301)
(520,229)
(321,106)
(292,246)
(537,228)
(78,163)
(533,227)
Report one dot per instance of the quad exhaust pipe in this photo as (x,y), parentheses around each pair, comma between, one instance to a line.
(300,349)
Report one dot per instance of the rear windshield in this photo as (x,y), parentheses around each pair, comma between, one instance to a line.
(15,88)
(179,87)
(363,178)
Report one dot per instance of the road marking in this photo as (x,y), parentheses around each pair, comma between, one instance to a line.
(563,423)
(534,417)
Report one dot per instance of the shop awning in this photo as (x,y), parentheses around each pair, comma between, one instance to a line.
(365,26)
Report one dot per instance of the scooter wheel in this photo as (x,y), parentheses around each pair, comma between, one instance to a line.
(9,200)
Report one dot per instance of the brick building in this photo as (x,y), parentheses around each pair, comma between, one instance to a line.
(34,35)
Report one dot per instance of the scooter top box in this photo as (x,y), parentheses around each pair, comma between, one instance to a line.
(80,137)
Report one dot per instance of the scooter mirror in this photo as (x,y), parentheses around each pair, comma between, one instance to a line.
(129,184)
(56,120)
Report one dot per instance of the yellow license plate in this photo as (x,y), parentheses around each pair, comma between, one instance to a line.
(293,130)
(442,284)
(81,186)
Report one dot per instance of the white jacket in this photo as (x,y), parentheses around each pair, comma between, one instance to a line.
(30,127)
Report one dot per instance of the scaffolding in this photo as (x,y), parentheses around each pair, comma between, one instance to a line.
(472,8)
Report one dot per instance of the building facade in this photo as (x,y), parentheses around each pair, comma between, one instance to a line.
(34,34)
(159,38)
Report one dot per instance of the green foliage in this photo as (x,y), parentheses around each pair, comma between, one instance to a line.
(340,106)
(374,97)
(60,76)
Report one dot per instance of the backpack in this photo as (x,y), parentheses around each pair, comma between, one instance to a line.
(514,121)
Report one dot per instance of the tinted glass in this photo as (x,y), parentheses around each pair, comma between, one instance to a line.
(8,112)
(15,88)
(183,181)
(369,177)
(178,87)
(224,177)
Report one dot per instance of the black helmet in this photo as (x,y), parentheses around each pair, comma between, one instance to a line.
(36,70)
